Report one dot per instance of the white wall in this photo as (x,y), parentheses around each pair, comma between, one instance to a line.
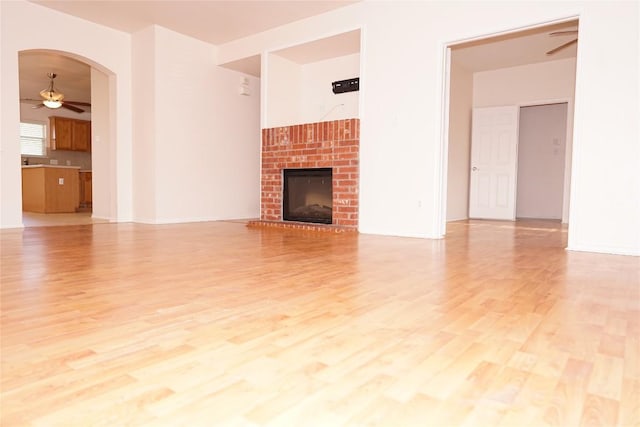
(103,48)
(402,134)
(302,93)
(605,193)
(524,84)
(199,137)
(460,107)
(402,129)
(318,102)
(144,128)
(541,83)
(282,92)
(234,172)
(197,141)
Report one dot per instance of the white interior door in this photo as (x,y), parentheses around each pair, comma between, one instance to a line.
(494,159)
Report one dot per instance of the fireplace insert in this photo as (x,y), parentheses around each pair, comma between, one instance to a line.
(308,195)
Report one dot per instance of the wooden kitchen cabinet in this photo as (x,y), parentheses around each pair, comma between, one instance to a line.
(69,134)
(81,135)
(86,191)
(60,133)
(50,189)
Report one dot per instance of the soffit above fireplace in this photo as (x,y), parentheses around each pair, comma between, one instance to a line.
(321,49)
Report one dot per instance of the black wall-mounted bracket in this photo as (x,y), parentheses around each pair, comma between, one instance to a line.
(349,85)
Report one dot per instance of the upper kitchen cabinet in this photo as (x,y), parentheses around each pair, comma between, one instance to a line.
(81,135)
(70,134)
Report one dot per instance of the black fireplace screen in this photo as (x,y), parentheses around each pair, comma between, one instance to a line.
(308,195)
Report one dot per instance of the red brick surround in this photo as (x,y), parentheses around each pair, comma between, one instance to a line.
(315,145)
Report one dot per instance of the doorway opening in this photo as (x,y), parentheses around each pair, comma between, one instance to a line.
(475,79)
(67,140)
(541,188)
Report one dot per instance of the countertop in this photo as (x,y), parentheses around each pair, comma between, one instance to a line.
(50,166)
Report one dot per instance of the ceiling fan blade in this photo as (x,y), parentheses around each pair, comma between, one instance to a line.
(37,103)
(561,33)
(72,108)
(562,46)
(84,104)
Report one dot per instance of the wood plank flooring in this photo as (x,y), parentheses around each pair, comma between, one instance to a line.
(33,219)
(218,324)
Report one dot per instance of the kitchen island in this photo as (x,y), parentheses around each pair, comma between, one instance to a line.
(50,188)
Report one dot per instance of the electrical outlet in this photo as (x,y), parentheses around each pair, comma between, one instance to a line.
(53,161)
(68,162)
(60,181)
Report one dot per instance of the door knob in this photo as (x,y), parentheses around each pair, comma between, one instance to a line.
(474,168)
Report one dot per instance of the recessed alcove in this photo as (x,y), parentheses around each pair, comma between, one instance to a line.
(298,81)
(306,125)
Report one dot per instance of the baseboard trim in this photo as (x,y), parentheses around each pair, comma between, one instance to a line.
(604,250)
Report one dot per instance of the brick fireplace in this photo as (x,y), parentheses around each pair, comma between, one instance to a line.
(333,145)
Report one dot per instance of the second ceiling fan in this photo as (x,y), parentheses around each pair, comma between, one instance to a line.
(54,99)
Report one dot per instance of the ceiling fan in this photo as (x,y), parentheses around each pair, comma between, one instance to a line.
(567,44)
(54,99)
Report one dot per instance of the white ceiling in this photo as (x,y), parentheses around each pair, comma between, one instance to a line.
(73,77)
(213,21)
(222,21)
(319,50)
(513,49)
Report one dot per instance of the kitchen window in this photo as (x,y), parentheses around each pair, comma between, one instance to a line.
(32,139)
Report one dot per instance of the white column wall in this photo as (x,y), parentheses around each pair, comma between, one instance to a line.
(605,191)
(198,157)
(144,124)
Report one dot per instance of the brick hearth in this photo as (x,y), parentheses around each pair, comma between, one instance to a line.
(315,145)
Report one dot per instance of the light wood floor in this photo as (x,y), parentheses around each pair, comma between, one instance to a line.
(218,324)
(32,219)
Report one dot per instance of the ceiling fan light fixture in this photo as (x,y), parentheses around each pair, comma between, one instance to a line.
(52,103)
(51,95)
(51,98)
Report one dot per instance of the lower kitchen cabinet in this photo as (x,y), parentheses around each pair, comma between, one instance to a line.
(86,190)
(49,189)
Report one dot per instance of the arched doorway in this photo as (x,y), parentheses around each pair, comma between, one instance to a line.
(86,86)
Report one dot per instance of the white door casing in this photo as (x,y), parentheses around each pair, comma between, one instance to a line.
(494,159)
